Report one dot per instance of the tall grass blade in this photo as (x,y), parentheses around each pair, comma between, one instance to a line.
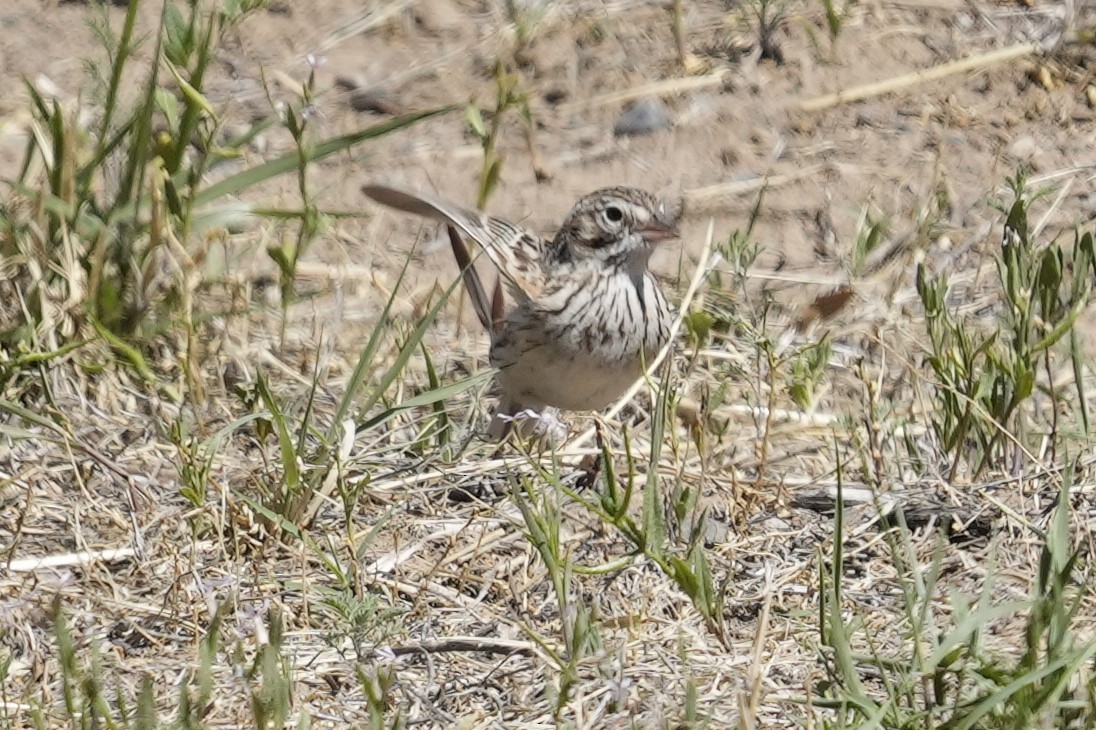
(290,161)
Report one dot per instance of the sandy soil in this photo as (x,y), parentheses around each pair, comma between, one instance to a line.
(892,152)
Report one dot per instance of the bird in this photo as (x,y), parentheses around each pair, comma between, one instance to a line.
(586,315)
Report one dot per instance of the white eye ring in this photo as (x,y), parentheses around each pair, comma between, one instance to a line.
(613,214)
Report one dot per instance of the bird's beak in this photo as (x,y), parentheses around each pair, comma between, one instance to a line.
(659,228)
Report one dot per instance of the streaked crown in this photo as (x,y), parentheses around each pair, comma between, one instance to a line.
(615,218)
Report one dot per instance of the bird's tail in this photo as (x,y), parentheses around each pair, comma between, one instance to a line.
(490,312)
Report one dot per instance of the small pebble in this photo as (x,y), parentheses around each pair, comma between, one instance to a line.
(1088,204)
(701,108)
(437,17)
(646,116)
(350,81)
(716,530)
(259,144)
(1023,148)
(376,101)
(44,85)
(555,96)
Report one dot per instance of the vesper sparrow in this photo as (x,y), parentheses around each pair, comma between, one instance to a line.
(586,314)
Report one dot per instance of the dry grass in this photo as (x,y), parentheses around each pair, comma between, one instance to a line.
(438,582)
(431,580)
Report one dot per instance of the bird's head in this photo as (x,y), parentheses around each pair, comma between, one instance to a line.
(615,224)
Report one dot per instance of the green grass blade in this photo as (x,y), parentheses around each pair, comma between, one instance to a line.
(121,56)
(430,397)
(290,161)
(1001,697)
(129,188)
(193,111)
(365,359)
(285,438)
(409,347)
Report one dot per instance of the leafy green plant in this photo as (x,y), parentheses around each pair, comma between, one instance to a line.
(524,17)
(581,636)
(308,457)
(942,675)
(670,535)
(985,377)
(808,368)
(377,685)
(669,532)
(195,464)
(87,702)
(108,225)
(510,95)
(287,255)
(870,234)
(361,618)
(765,17)
(271,683)
(835,21)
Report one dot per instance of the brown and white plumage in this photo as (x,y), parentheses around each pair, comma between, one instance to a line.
(586,312)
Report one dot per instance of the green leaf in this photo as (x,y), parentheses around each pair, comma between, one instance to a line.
(1050,269)
(285,438)
(192,94)
(168,106)
(177,29)
(1002,697)
(281,257)
(126,351)
(685,578)
(490,181)
(1086,246)
(1061,327)
(833,19)
(475,120)
(699,326)
(952,646)
(405,352)
(1025,384)
(428,398)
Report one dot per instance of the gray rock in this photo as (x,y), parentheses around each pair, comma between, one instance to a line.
(1024,148)
(350,80)
(374,100)
(438,17)
(646,116)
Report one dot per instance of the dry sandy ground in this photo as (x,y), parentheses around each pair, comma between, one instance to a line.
(739,122)
(961,134)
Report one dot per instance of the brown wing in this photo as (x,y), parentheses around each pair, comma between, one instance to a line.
(515,252)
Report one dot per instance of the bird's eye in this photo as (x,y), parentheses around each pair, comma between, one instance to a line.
(614,214)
